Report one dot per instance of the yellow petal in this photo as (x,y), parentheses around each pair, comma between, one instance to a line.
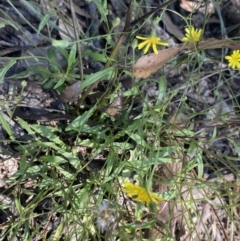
(236,52)
(129,185)
(163,43)
(140,194)
(140,37)
(147,48)
(187,30)
(141,45)
(155,48)
(228,57)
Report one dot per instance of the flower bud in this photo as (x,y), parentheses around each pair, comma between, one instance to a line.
(116,22)
(134,44)
(60,43)
(24,83)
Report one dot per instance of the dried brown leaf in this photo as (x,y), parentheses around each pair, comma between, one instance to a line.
(218,44)
(71,93)
(149,64)
(115,107)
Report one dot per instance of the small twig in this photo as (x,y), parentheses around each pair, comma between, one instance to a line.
(76,31)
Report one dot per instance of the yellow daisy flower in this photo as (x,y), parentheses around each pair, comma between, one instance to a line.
(192,35)
(150,41)
(140,194)
(234,59)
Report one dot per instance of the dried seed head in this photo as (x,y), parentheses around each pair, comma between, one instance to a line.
(105,216)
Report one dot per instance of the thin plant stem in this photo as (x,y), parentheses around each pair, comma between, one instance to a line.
(76,33)
(128,26)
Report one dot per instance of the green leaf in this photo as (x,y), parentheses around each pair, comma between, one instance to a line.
(162,89)
(95,130)
(55,160)
(184,132)
(4,70)
(71,157)
(102,9)
(133,91)
(72,57)
(2,25)
(68,175)
(47,132)
(116,172)
(143,225)
(96,56)
(26,126)
(84,196)
(214,134)
(136,137)
(59,83)
(49,144)
(43,71)
(5,124)
(122,145)
(111,162)
(80,121)
(197,161)
(60,43)
(92,78)
(236,146)
(18,205)
(45,20)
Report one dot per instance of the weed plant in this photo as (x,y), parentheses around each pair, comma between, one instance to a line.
(70,177)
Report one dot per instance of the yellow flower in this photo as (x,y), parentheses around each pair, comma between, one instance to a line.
(234,59)
(150,41)
(140,194)
(192,35)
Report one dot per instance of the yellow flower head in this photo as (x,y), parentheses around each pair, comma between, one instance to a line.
(140,194)
(150,41)
(192,35)
(234,59)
